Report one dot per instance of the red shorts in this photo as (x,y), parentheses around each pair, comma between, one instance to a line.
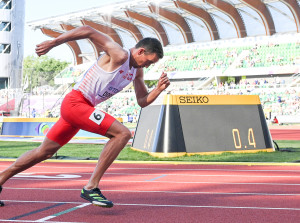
(78,113)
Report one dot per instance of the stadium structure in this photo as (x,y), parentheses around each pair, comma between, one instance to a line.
(11,42)
(211,47)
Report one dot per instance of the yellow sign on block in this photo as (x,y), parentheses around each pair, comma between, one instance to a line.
(211,100)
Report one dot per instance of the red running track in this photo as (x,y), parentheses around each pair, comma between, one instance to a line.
(285,134)
(49,192)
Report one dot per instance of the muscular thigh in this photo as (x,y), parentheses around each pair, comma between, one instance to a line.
(77,111)
(62,132)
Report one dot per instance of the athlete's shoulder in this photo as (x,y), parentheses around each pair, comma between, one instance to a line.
(120,58)
(125,55)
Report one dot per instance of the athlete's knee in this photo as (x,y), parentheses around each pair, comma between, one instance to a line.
(47,154)
(117,130)
(123,134)
(44,152)
(126,134)
(47,149)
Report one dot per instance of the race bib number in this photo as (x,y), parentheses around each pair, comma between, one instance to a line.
(97,116)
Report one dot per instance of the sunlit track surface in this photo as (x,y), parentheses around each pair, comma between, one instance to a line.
(49,192)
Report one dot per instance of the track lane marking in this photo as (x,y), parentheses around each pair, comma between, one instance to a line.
(205,175)
(155,178)
(203,169)
(167,192)
(36,211)
(171,169)
(62,212)
(203,192)
(45,202)
(2,220)
(200,206)
(172,205)
(172,182)
(77,175)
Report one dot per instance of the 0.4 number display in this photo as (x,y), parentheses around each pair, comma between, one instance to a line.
(237,138)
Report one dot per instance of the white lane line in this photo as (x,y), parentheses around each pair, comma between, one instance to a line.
(166,192)
(68,175)
(3,220)
(132,168)
(156,178)
(62,212)
(207,175)
(200,206)
(180,206)
(203,192)
(45,202)
(25,174)
(204,169)
(171,182)
(59,176)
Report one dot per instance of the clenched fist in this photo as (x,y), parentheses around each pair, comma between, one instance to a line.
(44,47)
(163,82)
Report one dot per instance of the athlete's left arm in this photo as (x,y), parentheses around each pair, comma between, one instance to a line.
(145,98)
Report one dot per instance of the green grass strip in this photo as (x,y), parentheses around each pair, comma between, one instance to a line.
(289,152)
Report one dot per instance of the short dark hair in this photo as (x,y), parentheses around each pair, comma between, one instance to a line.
(151,45)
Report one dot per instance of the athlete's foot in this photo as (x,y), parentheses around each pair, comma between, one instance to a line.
(1,203)
(96,198)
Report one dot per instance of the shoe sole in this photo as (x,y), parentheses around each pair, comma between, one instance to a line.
(103,206)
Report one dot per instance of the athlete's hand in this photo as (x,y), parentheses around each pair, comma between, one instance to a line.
(44,47)
(163,82)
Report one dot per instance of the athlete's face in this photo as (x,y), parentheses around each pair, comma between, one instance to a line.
(145,59)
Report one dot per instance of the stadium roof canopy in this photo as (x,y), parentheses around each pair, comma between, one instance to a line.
(176,22)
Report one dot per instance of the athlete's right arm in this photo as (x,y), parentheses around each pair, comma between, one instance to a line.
(112,49)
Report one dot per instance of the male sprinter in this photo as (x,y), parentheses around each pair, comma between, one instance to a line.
(109,75)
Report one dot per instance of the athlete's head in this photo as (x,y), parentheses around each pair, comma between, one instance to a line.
(146,52)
